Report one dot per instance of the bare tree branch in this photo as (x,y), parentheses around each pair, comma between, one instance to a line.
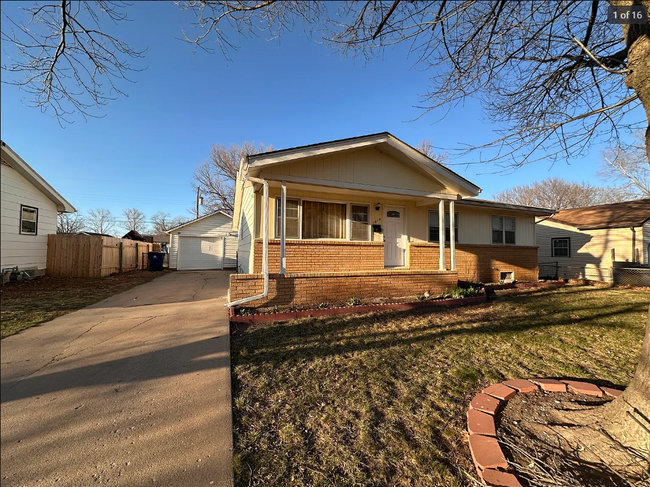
(67,60)
(628,164)
(135,220)
(558,194)
(69,223)
(216,175)
(100,220)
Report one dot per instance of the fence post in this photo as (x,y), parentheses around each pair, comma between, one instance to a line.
(121,251)
(137,255)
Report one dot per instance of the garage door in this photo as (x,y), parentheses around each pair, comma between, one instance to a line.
(198,253)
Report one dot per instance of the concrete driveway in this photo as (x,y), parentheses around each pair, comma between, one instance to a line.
(133,391)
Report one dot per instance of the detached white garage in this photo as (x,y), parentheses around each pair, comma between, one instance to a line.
(203,244)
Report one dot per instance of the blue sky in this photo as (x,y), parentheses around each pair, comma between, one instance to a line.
(288,92)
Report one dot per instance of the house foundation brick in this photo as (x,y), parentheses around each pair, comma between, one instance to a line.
(479,263)
(301,289)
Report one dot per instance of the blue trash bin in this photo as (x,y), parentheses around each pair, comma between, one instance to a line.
(156,261)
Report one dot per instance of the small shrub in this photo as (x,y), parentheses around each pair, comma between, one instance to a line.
(323,305)
(354,301)
(424,296)
(276,309)
(246,311)
(459,292)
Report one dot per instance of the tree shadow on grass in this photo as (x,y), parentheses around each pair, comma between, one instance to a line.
(318,338)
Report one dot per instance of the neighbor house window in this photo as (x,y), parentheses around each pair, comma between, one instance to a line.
(293,219)
(434,227)
(503,230)
(359,222)
(323,220)
(561,247)
(28,220)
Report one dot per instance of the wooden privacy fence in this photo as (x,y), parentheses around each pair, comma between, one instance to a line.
(94,256)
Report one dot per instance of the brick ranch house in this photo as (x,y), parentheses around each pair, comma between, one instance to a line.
(364,217)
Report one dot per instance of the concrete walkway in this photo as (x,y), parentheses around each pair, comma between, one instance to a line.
(132,391)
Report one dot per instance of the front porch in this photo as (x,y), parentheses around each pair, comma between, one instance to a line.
(334,271)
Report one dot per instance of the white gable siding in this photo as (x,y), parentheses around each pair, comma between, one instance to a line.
(24,251)
(363,166)
(217,225)
(591,250)
(246,226)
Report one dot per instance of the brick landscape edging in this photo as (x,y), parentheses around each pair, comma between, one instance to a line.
(489,460)
(522,285)
(315,313)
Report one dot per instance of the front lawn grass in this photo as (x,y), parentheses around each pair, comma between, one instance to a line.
(32,302)
(380,399)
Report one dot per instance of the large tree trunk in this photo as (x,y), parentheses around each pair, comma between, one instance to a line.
(637,39)
(628,417)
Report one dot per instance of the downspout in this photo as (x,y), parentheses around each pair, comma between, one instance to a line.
(265,237)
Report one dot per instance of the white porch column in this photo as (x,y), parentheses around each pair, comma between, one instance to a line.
(441,233)
(283,228)
(452,236)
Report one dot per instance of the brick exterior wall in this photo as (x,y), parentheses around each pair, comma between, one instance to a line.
(479,263)
(338,287)
(324,256)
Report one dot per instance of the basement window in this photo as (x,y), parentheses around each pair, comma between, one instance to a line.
(28,220)
(507,276)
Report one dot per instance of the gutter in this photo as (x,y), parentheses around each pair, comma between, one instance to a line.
(265,235)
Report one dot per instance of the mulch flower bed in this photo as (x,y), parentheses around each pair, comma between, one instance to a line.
(237,317)
(317,312)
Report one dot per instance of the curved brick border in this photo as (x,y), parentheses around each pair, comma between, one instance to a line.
(490,462)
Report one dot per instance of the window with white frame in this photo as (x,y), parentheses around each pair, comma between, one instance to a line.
(28,220)
(434,227)
(561,247)
(359,222)
(293,218)
(503,230)
(323,220)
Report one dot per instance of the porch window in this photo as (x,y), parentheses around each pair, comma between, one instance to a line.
(28,220)
(323,220)
(360,222)
(503,230)
(293,219)
(434,227)
(561,247)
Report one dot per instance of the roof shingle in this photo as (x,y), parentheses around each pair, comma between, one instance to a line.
(616,215)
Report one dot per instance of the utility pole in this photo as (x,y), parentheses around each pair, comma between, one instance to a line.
(198,190)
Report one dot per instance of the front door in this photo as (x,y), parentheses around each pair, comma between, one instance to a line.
(393,236)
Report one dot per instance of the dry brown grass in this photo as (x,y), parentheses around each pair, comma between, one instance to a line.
(380,399)
(32,302)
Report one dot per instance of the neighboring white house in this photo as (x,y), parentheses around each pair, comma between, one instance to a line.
(207,242)
(584,242)
(29,210)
